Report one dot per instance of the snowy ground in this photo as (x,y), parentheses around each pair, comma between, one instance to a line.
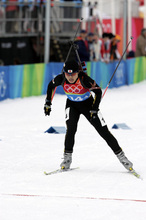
(101,189)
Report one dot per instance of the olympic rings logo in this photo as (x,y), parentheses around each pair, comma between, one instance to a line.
(76,89)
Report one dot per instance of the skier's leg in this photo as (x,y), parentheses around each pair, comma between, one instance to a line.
(101,127)
(72,117)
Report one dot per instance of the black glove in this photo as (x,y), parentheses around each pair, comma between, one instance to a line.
(47,107)
(93,114)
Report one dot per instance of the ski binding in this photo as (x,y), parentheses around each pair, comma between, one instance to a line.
(133,172)
(60,171)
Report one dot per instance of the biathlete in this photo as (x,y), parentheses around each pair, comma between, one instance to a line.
(78,86)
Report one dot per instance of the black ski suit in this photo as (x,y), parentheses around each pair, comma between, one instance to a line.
(81,101)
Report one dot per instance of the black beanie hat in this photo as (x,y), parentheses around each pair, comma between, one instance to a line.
(71,66)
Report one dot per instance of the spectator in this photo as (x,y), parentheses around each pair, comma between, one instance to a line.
(17,61)
(11,13)
(131,54)
(1,62)
(114,53)
(90,39)
(106,47)
(98,48)
(38,48)
(82,43)
(30,13)
(141,44)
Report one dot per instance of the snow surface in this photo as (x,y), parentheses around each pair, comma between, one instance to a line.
(101,189)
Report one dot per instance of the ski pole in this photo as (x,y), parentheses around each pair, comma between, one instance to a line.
(72,43)
(78,20)
(131,38)
(77,54)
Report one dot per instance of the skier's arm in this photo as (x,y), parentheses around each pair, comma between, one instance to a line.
(97,97)
(51,86)
(53,83)
(94,87)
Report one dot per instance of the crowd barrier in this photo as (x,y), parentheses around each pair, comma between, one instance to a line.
(32,80)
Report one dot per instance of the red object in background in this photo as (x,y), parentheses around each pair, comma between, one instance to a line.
(107,25)
(11,6)
(137,25)
(141,2)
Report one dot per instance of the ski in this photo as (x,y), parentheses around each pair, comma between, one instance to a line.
(60,171)
(134,173)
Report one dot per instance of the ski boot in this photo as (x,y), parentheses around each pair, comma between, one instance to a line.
(123,159)
(67,161)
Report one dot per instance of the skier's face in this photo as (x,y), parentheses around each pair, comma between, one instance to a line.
(71,78)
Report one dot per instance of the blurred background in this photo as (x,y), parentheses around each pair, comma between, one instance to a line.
(38,31)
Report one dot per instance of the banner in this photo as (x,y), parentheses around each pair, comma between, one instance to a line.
(102,73)
(136,70)
(33,76)
(130,65)
(15,81)
(140,69)
(47,77)
(119,78)
(4,83)
(33,79)
(56,69)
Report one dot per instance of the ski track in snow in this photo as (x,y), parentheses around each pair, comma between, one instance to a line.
(100,189)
